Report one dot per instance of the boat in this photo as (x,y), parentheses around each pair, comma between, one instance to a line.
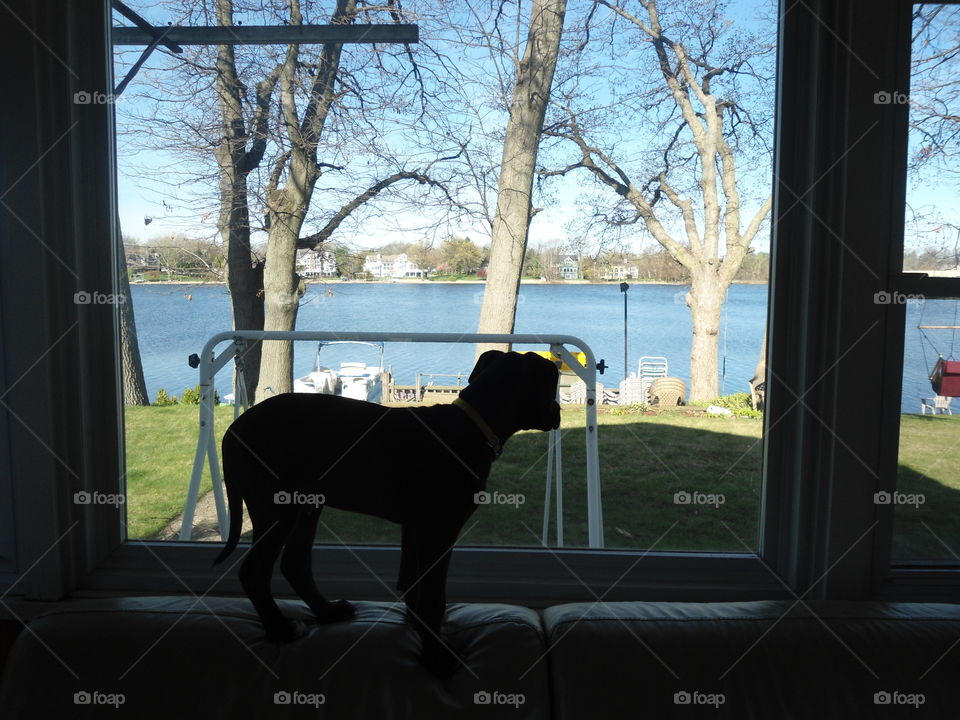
(354,379)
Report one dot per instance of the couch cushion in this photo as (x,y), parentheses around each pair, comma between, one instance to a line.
(175,657)
(753,660)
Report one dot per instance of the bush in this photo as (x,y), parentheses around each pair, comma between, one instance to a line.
(738,403)
(191,396)
(163,399)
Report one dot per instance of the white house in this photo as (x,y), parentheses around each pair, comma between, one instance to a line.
(620,272)
(568,268)
(316,263)
(392,266)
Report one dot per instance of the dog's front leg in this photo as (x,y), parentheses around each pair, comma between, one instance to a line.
(425,559)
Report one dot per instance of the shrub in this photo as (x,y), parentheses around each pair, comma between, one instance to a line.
(191,396)
(163,399)
(738,403)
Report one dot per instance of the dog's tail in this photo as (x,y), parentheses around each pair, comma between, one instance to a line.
(235,503)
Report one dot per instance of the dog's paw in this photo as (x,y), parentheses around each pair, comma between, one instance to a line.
(338,611)
(288,631)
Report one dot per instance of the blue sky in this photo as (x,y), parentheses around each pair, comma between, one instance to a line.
(152,197)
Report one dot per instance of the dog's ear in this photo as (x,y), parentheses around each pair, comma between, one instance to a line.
(541,376)
(484,362)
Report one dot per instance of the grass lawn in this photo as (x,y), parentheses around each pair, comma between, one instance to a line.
(644,460)
(929,466)
(160,444)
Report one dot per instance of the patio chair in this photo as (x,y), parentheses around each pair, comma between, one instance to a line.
(937,404)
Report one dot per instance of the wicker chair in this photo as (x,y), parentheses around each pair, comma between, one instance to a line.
(668,392)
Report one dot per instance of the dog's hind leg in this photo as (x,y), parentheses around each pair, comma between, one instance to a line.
(296,566)
(256,571)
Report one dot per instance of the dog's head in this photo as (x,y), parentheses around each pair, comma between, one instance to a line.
(529,378)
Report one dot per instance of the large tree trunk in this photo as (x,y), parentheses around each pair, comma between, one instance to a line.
(134,386)
(244,280)
(236,160)
(281,286)
(705,299)
(531,94)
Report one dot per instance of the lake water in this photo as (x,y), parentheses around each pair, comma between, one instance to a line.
(171,327)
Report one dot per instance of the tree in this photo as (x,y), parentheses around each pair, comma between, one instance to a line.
(131,366)
(341,114)
(691,102)
(531,95)
(240,150)
(290,190)
(422,255)
(461,255)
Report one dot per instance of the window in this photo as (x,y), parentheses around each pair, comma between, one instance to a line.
(926,500)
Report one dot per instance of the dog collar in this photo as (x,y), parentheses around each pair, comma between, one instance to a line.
(492,440)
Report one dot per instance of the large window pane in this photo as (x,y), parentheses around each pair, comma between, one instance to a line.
(666,282)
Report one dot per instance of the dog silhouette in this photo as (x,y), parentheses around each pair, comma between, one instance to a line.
(290,455)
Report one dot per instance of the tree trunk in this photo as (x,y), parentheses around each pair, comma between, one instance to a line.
(531,94)
(705,300)
(281,284)
(244,280)
(287,206)
(134,386)
(236,160)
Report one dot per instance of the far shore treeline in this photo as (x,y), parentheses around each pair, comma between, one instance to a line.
(183,259)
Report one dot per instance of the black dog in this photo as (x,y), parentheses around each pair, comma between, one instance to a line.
(292,454)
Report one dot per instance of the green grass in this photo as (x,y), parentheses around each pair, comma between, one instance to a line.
(929,466)
(161,442)
(644,457)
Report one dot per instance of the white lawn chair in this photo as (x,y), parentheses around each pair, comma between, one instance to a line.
(936,404)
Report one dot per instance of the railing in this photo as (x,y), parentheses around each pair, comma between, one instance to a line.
(210,363)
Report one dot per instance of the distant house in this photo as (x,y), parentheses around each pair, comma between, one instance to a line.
(568,268)
(620,272)
(316,263)
(392,266)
